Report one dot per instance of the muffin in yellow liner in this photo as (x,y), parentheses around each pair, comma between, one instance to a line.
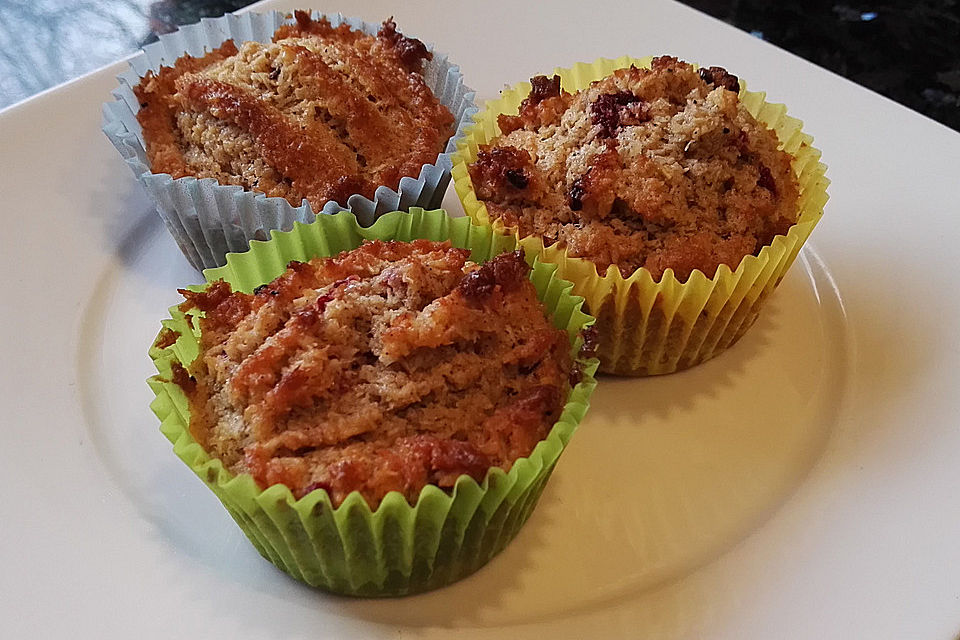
(398,548)
(649,327)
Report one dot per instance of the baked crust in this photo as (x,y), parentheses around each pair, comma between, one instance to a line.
(320,114)
(385,368)
(658,168)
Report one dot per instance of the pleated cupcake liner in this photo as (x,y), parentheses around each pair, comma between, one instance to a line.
(399,548)
(648,327)
(208,219)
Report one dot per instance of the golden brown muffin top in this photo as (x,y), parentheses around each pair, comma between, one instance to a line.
(320,113)
(656,168)
(385,368)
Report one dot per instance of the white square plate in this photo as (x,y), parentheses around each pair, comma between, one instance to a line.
(801,485)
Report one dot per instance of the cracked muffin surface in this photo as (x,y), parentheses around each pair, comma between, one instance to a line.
(321,113)
(385,368)
(659,168)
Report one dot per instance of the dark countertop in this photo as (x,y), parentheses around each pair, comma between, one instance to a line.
(907,51)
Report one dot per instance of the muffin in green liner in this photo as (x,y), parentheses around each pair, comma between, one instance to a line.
(398,548)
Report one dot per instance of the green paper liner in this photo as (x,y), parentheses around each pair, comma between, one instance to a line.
(648,327)
(398,549)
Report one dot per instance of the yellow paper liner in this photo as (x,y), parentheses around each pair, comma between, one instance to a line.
(647,327)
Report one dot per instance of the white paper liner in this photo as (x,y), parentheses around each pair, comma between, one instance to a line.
(208,219)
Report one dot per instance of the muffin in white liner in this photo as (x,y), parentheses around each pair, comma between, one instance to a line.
(209,219)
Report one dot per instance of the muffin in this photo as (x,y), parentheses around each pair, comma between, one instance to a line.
(419,398)
(245,124)
(385,368)
(658,168)
(660,189)
(318,114)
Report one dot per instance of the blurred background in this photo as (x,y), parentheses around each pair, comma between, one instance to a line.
(907,51)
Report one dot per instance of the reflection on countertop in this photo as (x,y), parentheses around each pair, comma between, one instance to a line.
(907,51)
(46,42)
